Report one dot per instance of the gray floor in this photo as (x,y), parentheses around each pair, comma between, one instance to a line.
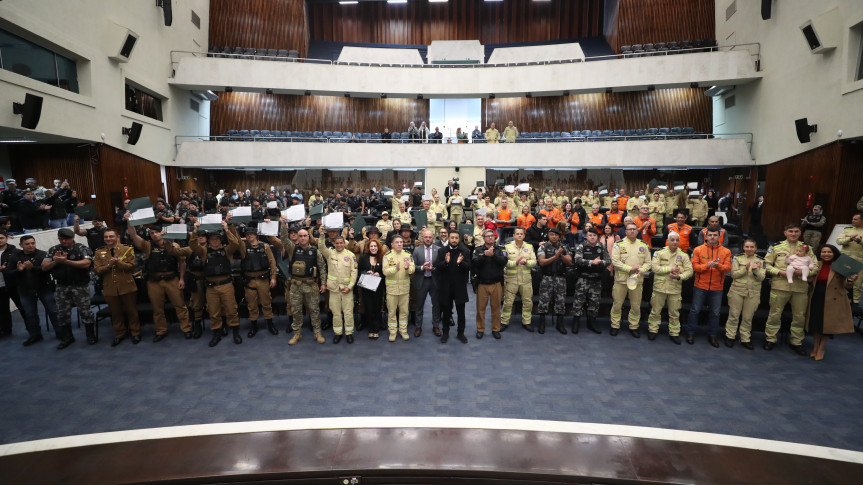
(588,378)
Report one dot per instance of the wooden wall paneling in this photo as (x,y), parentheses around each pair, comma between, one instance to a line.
(600,111)
(651,21)
(847,189)
(419,23)
(270,24)
(790,181)
(309,113)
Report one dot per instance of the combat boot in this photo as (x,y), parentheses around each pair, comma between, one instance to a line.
(217,337)
(254,329)
(591,325)
(224,327)
(558,324)
(541,327)
(576,324)
(392,337)
(272,327)
(237,339)
(403,331)
(319,338)
(66,337)
(91,333)
(290,327)
(298,335)
(197,329)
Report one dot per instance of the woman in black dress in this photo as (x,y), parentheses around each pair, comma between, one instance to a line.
(712,203)
(829,311)
(370,262)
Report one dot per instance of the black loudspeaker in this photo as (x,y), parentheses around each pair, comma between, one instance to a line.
(766,9)
(134,132)
(166,10)
(30,111)
(804,129)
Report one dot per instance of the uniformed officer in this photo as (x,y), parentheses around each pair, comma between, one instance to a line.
(217,275)
(69,265)
(308,274)
(164,278)
(782,292)
(591,259)
(341,279)
(744,296)
(851,241)
(398,266)
(656,208)
(456,207)
(384,225)
(197,287)
(440,213)
(671,266)
(259,271)
(115,263)
(813,227)
(521,257)
(697,210)
(553,259)
(631,259)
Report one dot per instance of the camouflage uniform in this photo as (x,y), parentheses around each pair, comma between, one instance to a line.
(305,289)
(589,285)
(553,284)
(72,290)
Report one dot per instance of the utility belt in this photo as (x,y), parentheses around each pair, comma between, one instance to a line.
(156,277)
(489,282)
(211,284)
(249,277)
(196,275)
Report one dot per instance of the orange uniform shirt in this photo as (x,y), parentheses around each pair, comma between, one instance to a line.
(683,233)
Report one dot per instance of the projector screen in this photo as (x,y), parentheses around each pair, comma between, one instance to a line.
(451,114)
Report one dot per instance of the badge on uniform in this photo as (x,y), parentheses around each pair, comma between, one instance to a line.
(406,260)
(640,250)
(679,257)
(347,258)
(770,249)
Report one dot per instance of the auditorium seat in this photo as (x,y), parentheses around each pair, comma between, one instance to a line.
(283,54)
(277,134)
(365,137)
(522,137)
(688,132)
(318,136)
(233,135)
(617,133)
(266,134)
(652,134)
(396,136)
(327,134)
(629,132)
(405,137)
(555,134)
(663,132)
(294,53)
(376,137)
(286,136)
(536,135)
(675,133)
(237,53)
(249,53)
(545,135)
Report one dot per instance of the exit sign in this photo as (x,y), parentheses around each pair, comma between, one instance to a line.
(738,177)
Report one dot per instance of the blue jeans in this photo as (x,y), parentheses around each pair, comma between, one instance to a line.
(56,223)
(31,313)
(714,301)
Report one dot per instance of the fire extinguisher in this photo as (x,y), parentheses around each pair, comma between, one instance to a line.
(125,189)
(809,202)
(2,184)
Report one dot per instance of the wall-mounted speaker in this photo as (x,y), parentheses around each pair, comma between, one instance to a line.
(822,32)
(30,111)
(129,40)
(766,9)
(166,11)
(133,133)
(804,129)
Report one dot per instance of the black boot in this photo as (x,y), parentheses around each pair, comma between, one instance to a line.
(558,324)
(541,328)
(361,324)
(224,327)
(272,327)
(254,329)
(237,338)
(591,325)
(290,327)
(197,329)
(91,333)
(66,337)
(576,323)
(217,337)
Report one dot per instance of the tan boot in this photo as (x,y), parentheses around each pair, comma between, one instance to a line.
(319,338)
(296,338)
(392,331)
(403,331)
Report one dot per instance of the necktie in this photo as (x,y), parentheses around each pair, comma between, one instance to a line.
(428,259)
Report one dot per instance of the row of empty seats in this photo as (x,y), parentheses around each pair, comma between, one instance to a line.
(667,48)
(675,133)
(252,53)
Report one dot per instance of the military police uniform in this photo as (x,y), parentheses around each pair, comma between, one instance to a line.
(308,271)
(72,290)
(162,270)
(667,290)
(517,280)
(588,288)
(782,292)
(119,288)
(814,230)
(624,255)
(259,269)
(552,287)
(854,250)
(220,289)
(744,296)
(398,281)
(197,292)
(341,274)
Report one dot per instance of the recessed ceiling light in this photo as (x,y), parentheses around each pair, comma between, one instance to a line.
(348,2)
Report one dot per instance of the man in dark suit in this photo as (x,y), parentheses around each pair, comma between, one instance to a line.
(755,216)
(452,266)
(424,282)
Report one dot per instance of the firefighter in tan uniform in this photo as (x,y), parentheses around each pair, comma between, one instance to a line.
(521,258)
(164,278)
(631,259)
(656,207)
(782,292)
(671,267)
(220,284)
(259,277)
(851,241)
(697,210)
(341,279)
(744,296)
(398,267)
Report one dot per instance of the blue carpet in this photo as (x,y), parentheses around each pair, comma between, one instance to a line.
(588,378)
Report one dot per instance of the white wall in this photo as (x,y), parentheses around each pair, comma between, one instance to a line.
(90,31)
(617,154)
(795,83)
(469,82)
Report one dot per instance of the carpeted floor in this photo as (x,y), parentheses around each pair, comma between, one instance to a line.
(587,378)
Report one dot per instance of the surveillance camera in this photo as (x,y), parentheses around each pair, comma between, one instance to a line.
(455,179)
